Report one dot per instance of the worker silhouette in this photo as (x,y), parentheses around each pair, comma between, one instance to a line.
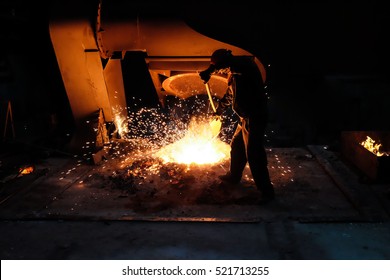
(247,97)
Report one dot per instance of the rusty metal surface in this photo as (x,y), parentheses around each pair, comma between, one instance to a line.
(124,26)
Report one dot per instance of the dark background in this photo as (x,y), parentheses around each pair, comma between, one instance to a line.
(327,63)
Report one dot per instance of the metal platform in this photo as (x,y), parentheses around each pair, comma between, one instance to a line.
(312,184)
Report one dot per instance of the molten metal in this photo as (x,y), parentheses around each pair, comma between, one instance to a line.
(198,146)
(172,138)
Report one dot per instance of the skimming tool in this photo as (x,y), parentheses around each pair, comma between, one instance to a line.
(216,123)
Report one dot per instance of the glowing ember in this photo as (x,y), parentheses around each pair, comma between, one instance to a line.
(370,145)
(197,146)
(26,170)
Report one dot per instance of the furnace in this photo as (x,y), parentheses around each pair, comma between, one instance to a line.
(126,52)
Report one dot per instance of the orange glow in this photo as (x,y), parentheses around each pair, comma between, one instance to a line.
(370,145)
(121,124)
(26,170)
(198,146)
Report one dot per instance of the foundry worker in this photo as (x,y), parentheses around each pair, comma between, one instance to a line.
(246,94)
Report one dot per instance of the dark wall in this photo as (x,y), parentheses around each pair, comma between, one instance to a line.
(327,62)
(324,61)
(34,85)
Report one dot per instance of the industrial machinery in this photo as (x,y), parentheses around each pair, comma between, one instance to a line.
(111,51)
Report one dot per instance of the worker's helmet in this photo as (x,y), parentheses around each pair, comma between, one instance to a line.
(221,58)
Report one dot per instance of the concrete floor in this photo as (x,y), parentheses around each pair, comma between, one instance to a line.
(273,237)
(135,240)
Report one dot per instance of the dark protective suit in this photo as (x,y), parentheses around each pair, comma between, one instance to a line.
(246,94)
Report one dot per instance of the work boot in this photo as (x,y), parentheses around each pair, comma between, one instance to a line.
(228,178)
(267,196)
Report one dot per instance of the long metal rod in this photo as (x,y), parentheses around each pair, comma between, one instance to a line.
(211,99)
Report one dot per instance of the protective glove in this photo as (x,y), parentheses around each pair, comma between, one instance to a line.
(205,75)
(218,112)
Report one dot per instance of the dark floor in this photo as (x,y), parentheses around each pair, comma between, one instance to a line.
(323,211)
(132,240)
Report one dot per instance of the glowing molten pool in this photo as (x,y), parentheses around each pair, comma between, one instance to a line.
(198,146)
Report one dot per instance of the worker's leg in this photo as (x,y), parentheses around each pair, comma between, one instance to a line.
(237,158)
(253,136)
